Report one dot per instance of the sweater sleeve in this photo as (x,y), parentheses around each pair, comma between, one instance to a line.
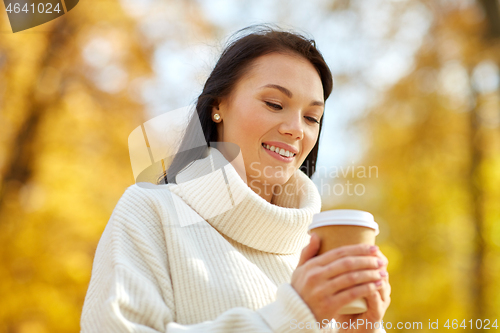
(130,265)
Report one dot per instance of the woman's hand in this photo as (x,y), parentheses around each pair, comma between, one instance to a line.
(377,302)
(335,278)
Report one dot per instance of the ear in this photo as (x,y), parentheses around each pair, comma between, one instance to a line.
(215,109)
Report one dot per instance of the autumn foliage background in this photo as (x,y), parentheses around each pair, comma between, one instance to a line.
(433,134)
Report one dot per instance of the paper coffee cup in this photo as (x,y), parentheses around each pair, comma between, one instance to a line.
(342,227)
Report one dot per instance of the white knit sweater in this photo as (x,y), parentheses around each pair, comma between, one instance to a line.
(204,255)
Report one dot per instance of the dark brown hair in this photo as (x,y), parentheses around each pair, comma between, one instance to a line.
(234,62)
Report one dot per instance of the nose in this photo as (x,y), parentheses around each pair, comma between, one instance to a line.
(292,125)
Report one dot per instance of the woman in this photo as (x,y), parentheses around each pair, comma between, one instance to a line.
(219,248)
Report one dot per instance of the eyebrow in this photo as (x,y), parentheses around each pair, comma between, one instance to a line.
(288,93)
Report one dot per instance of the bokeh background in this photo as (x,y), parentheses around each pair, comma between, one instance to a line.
(411,134)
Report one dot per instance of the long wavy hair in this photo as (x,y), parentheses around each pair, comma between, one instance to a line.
(233,64)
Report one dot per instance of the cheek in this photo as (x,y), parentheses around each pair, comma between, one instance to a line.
(250,126)
(310,139)
(247,128)
(313,138)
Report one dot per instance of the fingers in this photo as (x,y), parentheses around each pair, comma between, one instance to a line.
(344,251)
(375,303)
(352,279)
(349,295)
(379,254)
(310,250)
(350,264)
(385,292)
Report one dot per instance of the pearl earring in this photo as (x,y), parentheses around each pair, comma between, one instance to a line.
(216,116)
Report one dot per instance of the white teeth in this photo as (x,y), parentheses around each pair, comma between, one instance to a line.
(281,151)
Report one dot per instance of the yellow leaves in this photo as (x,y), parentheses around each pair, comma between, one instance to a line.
(48,83)
(394,255)
(51,221)
(32,326)
(32,197)
(78,265)
(436,142)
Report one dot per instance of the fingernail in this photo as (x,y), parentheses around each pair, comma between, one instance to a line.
(378,283)
(373,248)
(383,273)
(380,263)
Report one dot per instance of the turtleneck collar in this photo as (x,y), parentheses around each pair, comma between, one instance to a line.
(212,187)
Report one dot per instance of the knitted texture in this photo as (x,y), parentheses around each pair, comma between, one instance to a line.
(204,255)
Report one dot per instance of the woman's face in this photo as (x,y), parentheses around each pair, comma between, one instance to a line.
(277,103)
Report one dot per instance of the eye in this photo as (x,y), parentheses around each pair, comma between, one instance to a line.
(274,106)
(312,119)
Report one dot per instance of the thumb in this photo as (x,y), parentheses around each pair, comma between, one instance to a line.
(310,250)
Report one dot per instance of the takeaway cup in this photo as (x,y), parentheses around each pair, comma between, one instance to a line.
(340,227)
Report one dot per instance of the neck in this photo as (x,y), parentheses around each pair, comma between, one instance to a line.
(265,191)
(220,196)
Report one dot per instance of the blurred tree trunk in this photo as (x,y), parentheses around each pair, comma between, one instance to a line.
(476,187)
(479,281)
(21,158)
(492,13)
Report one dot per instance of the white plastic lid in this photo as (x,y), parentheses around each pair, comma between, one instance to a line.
(343,217)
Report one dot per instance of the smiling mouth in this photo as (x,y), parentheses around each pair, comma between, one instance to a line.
(280,151)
